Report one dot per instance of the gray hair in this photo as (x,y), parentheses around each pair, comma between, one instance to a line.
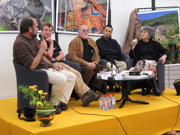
(149,29)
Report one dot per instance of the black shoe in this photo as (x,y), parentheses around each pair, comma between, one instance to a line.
(155,88)
(63,106)
(157,92)
(87,98)
(58,110)
(147,91)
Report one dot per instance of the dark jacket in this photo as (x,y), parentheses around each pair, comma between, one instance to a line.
(156,49)
(109,51)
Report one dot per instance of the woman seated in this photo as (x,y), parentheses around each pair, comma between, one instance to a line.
(146,53)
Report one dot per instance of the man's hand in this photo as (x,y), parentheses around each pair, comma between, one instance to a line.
(43,46)
(91,65)
(57,67)
(51,59)
(49,40)
(163,58)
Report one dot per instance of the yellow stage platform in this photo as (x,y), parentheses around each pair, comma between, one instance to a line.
(160,116)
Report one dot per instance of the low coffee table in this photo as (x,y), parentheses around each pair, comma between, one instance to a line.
(124,83)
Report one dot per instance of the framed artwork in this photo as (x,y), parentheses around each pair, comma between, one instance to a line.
(71,14)
(166,26)
(12,12)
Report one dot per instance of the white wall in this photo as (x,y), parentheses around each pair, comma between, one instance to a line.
(121,10)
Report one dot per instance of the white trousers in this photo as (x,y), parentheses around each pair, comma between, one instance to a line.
(62,84)
(119,64)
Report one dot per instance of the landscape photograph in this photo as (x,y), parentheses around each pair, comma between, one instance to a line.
(166,26)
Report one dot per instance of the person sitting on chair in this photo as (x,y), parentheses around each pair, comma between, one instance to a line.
(28,52)
(55,54)
(110,50)
(83,50)
(146,53)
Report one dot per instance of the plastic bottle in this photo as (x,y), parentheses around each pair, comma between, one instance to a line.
(113,102)
(109,101)
(101,102)
(105,104)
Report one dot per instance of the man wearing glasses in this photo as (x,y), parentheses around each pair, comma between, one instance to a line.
(83,50)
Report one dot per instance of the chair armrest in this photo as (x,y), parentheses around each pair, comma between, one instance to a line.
(66,57)
(129,63)
(30,77)
(74,65)
(160,74)
(103,62)
(123,56)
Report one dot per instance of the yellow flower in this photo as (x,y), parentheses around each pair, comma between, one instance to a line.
(34,86)
(35,89)
(39,104)
(40,92)
(30,87)
(45,93)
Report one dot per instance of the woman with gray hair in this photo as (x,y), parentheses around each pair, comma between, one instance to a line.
(146,53)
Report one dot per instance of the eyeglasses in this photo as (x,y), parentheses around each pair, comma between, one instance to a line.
(85,30)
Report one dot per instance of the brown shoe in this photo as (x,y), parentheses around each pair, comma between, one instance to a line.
(87,98)
(96,96)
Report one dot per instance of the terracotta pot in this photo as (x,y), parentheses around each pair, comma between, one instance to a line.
(45,115)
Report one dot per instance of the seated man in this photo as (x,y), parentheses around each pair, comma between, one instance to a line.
(28,52)
(55,54)
(110,50)
(83,50)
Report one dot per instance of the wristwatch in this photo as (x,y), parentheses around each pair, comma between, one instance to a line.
(52,65)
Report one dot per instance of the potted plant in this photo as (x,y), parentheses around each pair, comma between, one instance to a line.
(45,111)
(177,86)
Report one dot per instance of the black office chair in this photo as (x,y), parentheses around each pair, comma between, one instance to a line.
(160,74)
(30,77)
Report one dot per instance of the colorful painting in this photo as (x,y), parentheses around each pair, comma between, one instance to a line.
(166,26)
(73,13)
(12,12)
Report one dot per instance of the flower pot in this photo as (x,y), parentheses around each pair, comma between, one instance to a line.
(45,115)
(177,87)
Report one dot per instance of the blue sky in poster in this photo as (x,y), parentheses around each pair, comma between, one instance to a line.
(152,15)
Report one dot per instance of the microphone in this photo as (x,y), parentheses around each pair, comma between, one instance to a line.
(40,36)
(133,44)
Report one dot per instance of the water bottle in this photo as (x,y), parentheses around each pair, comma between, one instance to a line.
(113,102)
(101,102)
(109,101)
(105,104)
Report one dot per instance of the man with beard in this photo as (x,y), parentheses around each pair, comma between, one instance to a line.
(28,52)
(83,50)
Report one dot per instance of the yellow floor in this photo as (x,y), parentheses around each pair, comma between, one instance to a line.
(156,118)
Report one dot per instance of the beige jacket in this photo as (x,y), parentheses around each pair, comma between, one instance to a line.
(133,31)
(76,51)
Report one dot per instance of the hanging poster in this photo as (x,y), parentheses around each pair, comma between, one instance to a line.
(166,26)
(12,12)
(71,14)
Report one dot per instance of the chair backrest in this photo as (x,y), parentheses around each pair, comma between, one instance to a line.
(29,77)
